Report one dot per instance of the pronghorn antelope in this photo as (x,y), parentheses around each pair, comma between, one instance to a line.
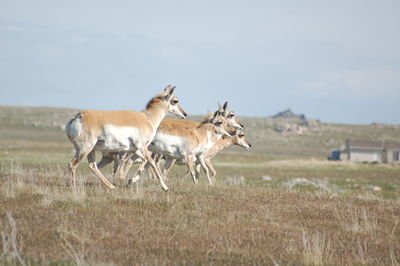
(238,139)
(187,144)
(167,126)
(115,131)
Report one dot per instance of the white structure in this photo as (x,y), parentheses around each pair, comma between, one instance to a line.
(371,151)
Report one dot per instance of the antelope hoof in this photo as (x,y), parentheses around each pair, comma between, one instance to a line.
(133,180)
(165,188)
(121,176)
(70,167)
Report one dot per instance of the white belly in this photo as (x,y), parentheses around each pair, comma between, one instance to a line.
(114,138)
(205,145)
(169,145)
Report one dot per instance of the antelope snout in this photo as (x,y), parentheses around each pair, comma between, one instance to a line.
(182,113)
(248,146)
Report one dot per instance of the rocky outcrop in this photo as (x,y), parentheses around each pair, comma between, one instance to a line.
(289,114)
(289,123)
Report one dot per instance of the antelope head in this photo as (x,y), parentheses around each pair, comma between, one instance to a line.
(230,117)
(240,140)
(220,124)
(172,102)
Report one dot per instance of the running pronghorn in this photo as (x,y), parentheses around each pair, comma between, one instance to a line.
(238,139)
(189,143)
(116,131)
(168,125)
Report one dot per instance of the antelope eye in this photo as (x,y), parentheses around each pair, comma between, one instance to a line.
(174,101)
(219,123)
(241,135)
(231,115)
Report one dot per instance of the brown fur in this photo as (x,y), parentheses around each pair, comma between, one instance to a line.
(153,101)
(175,123)
(177,127)
(94,120)
(181,127)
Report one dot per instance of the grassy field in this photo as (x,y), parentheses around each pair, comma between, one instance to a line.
(281,203)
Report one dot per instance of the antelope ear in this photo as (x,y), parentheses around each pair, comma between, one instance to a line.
(171,90)
(216,114)
(166,91)
(169,95)
(225,105)
(220,109)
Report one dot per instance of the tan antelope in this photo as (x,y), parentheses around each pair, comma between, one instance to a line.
(238,139)
(223,111)
(188,143)
(116,131)
(166,126)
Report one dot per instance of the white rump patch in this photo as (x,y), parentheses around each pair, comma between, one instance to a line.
(74,127)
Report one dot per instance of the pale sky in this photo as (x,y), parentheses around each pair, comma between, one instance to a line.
(337,60)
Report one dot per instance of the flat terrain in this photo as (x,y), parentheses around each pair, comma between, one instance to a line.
(279,203)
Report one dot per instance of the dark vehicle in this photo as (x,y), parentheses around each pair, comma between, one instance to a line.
(335,155)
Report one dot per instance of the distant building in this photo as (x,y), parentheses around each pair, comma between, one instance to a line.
(391,153)
(371,151)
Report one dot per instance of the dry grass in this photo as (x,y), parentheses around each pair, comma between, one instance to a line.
(10,248)
(242,219)
(317,249)
(192,224)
